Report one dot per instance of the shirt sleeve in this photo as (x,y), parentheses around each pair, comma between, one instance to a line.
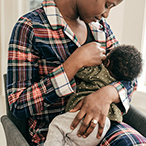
(124,88)
(27,87)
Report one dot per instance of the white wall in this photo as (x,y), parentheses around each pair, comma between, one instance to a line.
(10,11)
(128,22)
(116,19)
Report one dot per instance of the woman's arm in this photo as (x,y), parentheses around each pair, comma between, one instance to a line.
(90,54)
(33,80)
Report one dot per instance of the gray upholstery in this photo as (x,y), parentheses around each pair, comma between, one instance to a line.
(136,119)
(17,124)
(13,136)
(16,130)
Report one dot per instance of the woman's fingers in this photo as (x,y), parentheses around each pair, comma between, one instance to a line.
(101,127)
(91,54)
(77,119)
(84,125)
(104,51)
(77,107)
(90,128)
(104,57)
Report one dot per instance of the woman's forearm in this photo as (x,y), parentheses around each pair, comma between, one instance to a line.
(90,54)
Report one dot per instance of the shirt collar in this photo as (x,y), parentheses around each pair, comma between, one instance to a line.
(56,19)
(53,14)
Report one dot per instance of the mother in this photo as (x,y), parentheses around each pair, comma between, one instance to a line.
(47,48)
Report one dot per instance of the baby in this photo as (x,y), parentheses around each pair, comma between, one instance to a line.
(122,63)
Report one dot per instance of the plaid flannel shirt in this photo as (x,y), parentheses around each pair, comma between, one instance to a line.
(38,87)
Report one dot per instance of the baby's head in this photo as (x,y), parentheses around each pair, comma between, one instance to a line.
(124,62)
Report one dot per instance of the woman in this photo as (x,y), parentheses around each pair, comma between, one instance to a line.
(47,48)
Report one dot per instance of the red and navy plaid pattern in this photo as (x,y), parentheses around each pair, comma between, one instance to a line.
(38,88)
(122,135)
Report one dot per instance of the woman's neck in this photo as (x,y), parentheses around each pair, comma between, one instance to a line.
(68,9)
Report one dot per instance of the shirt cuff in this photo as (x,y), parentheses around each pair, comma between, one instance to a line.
(123,94)
(60,82)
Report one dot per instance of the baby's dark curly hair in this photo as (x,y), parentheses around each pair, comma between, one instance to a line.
(125,62)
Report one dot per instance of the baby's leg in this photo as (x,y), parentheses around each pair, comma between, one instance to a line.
(60,134)
(91,140)
(58,129)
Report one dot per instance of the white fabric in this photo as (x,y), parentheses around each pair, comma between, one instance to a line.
(60,134)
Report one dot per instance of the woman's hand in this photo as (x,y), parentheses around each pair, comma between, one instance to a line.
(90,54)
(94,106)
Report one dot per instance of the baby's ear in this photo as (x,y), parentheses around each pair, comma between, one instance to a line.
(106,62)
(126,73)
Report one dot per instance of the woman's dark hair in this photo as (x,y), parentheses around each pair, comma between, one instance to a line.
(125,62)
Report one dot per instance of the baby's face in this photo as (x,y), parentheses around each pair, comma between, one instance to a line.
(108,65)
